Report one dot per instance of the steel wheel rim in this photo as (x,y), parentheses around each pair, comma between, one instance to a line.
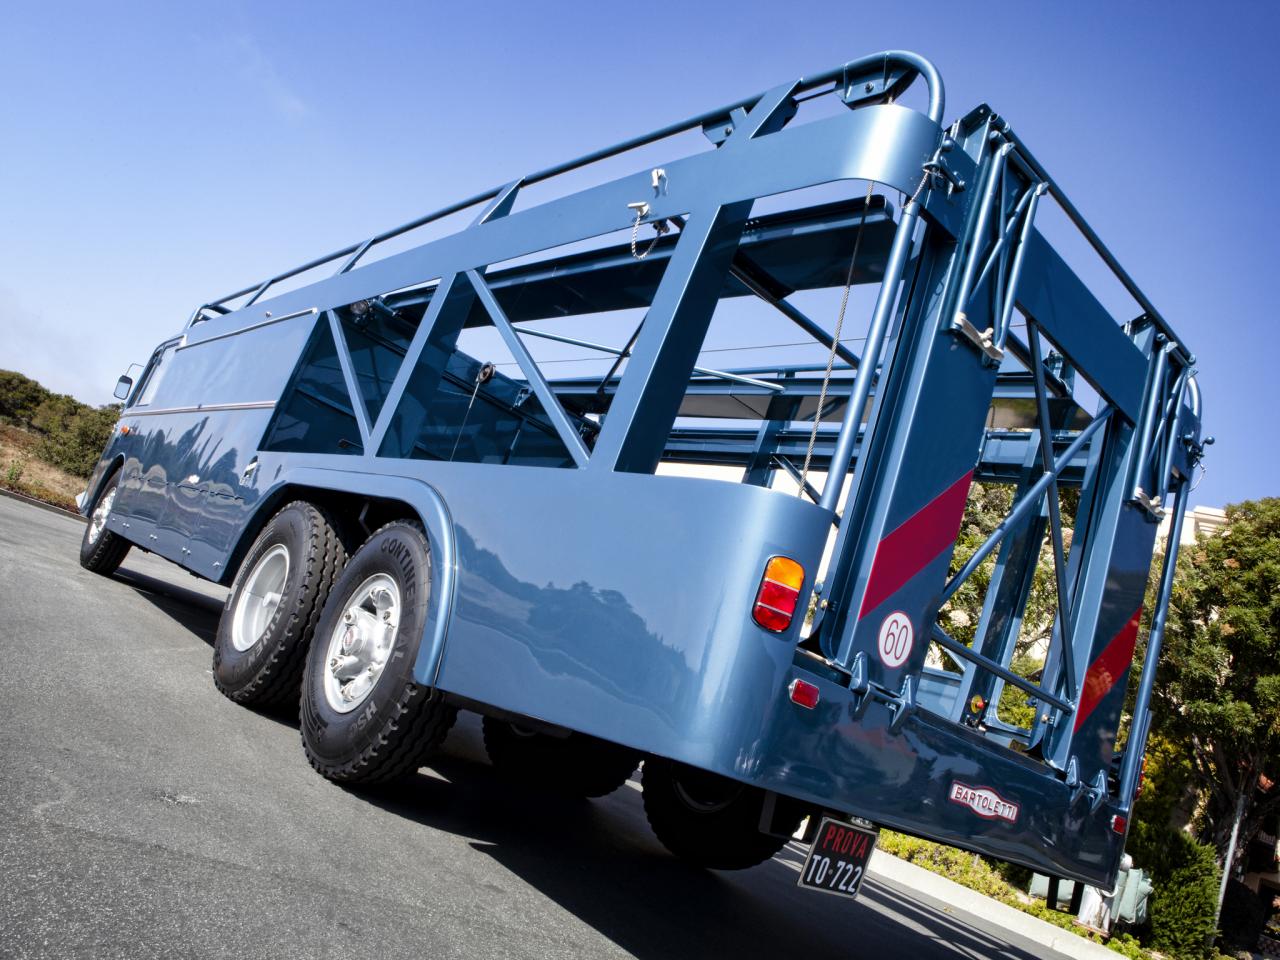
(258,601)
(98,521)
(361,642)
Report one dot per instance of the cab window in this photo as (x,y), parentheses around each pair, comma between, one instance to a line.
(154,374)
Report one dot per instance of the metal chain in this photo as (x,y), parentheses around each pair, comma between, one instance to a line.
(660,227)
(835,343)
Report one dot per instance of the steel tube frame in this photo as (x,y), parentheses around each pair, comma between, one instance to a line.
(1015,271)
(1005,233)
(1030,499)
(378,238)
(947,642)
(788,310)
(1159,369)
(795,316)
(1172,416)
(550,402)
(1055,510)
(794,472)
(980,230)
(622,354)
(1130,766)
(885,301)
(1100,248)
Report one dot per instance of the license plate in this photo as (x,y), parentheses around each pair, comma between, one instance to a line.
(837,861)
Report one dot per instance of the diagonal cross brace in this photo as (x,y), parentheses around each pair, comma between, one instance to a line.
(550,402)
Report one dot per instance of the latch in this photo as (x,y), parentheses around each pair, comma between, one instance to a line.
(249,472)
(937,167)
(900,704)
(1149,503)
(984,340)
(903,704)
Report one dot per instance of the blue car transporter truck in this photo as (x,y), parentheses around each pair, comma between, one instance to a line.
(408,528)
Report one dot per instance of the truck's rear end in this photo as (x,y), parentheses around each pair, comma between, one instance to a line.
(792,615)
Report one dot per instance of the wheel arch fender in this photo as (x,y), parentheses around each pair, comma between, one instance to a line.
(421,500)
(106,469)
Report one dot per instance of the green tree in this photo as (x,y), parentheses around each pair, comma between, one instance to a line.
(54,414)
(75,442)
(1217,689)
(987,505)
(20,397)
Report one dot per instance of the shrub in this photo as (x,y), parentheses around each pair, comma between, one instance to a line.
(13,473)
(75,442)
(1127,946)
(967,869)
(1185,874)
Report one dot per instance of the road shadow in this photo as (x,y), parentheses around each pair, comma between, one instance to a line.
(598,861)
(197,612)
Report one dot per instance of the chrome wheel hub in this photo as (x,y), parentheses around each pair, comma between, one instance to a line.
(361,643)
(98,522)
(260,598)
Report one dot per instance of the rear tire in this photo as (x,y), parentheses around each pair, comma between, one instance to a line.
(707,819)
(364,718)
(279,591)
(578,765)
(101,550)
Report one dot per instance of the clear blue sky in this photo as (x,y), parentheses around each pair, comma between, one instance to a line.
(156,155)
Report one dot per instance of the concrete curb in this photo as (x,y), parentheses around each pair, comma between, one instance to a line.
(23,498)
(953,897)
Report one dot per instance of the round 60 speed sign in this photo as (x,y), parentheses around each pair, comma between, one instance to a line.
(896,639)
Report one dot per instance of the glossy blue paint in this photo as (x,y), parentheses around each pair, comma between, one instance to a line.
(573,585)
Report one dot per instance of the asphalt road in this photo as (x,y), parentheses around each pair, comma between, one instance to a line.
(146,816)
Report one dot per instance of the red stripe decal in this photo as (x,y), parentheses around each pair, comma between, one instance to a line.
(1105,672)
(917,540)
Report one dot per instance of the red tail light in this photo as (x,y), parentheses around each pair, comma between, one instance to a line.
(779,594)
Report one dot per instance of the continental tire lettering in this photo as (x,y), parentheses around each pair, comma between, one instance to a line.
(403,556)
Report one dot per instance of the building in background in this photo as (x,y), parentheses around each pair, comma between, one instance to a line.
(1201,521)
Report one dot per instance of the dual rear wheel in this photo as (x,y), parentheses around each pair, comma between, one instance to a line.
(305,623)
(576,764)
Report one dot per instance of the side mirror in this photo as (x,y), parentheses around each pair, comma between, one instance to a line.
(123,386)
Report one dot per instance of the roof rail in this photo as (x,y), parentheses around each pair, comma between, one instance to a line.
(874,75)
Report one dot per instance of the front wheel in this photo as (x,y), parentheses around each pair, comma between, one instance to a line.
(364,718)
(578,765)
(707,819)
(101,550)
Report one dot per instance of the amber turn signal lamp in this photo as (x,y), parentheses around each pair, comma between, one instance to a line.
(779,594)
